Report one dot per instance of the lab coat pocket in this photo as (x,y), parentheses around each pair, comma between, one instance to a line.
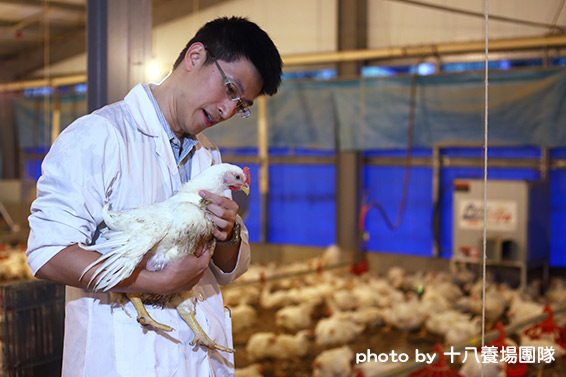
(143,351)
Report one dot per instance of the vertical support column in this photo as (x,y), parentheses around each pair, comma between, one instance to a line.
(352,35)
(119,48)
(263,168)
(9,143)
(55,115)
(544,163)
(352,32)
(436,198)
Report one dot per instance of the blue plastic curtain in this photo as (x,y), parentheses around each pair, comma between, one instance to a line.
(525,107)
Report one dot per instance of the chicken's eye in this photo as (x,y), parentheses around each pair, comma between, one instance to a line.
(237,177)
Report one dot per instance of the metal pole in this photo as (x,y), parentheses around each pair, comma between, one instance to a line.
(435,195)
(97,56)
(425,50)
(263,150)
(56,115)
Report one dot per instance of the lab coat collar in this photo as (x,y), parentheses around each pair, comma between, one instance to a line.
(203,155)
(147,122)
(142,111)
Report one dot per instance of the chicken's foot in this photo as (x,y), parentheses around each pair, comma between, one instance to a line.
(200,336)
(143,316)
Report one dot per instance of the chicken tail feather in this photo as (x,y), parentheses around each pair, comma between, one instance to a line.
(107,216)
(112,271)
(118,263)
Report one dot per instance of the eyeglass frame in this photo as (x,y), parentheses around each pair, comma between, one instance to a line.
(242,110)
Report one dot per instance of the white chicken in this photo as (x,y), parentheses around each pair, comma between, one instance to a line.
(447,290)
(14,265)
(495,305)
(396,276)
(520,310)
(442,322)
(294,317)
(263,345)
(331,256)
(334,362)
(365,296)
(546,343)
(252,370)
(243,317)
(268,345)
(336,330)
(407,316)
(373,369)
(308,295)
(367,317)
(462,274)
(269,299)
(390,297)
(295,345)
(165,232)
(234,295)
(557,292)
(472,368)
(342,300)
(462,331)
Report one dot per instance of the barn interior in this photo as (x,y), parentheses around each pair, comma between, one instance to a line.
(408,180)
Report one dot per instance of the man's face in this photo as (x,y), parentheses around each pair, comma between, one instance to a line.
(203,101)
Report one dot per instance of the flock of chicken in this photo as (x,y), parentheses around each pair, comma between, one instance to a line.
(14,263)
(448,305)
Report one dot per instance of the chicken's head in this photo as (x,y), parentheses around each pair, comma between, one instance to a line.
(238,179)
(218,178)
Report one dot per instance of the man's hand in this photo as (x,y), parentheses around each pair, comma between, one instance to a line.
(223,212)
(183,274)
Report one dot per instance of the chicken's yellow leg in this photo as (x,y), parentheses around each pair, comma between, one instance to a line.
(143,316)
(200,336)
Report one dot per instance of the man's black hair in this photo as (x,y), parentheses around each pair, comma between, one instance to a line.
(233,38)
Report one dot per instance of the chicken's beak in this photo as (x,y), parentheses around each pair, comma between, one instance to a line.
(245,188)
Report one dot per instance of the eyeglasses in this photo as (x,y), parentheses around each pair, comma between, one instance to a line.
(232,92)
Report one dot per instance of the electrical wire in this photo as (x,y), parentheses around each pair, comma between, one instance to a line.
(407,172)
(484,240)
(46,137)
(552,27)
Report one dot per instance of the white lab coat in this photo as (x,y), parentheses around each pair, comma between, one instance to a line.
(121,154)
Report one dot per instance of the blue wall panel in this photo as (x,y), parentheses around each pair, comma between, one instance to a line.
(384,187)
(558,218)
(302,204)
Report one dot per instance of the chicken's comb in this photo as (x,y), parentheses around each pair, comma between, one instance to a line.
(247,173)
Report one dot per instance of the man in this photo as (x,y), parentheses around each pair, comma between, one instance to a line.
(136,152)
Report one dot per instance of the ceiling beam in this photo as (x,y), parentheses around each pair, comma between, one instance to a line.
(514,44)
(168,10)
(52,4)
(60,48)
(30,60)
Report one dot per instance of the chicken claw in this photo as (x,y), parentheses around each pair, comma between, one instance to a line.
(200,336)
(143,316)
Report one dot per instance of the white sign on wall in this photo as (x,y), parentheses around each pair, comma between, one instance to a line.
(501,214)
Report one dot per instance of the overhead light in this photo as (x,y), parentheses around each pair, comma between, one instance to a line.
(153,70)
